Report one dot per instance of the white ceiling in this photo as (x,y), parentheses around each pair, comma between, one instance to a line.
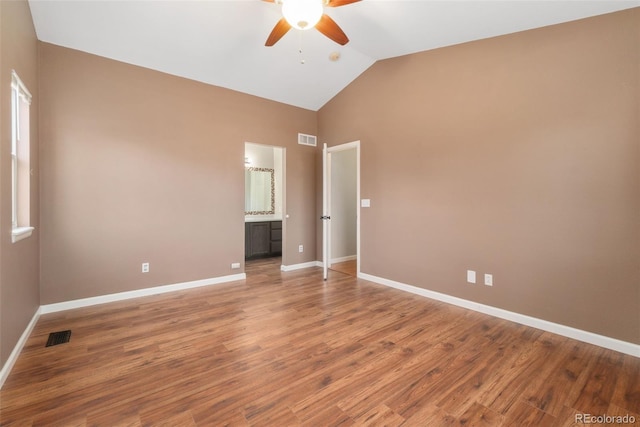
(221,42)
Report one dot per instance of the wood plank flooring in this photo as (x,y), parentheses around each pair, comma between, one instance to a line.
(288,349)
(346,267)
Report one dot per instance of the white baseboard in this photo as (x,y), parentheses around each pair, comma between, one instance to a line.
(301,266)
(344,259)
(13,357)
(86,302)
(566,331)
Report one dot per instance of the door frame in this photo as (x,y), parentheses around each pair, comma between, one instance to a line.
(326,202)
(283,192)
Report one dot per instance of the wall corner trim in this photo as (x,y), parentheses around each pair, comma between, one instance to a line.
(13,357)
(300,266)
(566,331)
(121,296)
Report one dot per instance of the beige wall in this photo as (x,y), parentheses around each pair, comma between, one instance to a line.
(19,262)
(517,156)
(140,166)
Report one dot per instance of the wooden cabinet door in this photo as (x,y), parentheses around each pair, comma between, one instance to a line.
(258,239)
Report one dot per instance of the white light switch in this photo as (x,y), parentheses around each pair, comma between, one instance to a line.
(471,276)
(488,279)
(365,203)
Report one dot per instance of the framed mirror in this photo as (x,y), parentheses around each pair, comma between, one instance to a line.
(259,191)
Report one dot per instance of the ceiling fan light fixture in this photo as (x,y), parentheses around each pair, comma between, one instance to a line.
(302,14)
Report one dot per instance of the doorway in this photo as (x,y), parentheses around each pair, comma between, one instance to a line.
(265,230)
(341,209)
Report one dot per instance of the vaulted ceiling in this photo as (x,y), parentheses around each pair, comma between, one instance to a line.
(221,42)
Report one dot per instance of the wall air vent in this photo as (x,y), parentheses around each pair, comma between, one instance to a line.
(310,140)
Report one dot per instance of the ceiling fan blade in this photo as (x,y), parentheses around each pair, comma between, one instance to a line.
(329,28)
(278,31)
(337,3)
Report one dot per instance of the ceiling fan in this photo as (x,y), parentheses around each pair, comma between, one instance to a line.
(306,14)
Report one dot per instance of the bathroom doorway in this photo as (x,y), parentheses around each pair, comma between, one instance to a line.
(265,230)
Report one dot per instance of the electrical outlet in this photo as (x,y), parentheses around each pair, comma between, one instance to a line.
(145,267)
(235,265)
(300,248)
(471,276)
(488,279)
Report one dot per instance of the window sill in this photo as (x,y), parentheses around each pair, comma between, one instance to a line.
(20,233)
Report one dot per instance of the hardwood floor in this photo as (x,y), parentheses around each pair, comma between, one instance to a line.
(287,349)
(346,267)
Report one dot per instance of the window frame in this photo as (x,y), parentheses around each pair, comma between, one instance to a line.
(19,93)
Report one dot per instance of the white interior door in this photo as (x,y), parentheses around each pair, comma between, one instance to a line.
(326,218)
(326,203)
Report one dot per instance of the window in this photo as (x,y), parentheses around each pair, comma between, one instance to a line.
(20,169)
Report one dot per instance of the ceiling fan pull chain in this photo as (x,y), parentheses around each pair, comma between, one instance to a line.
(300,47)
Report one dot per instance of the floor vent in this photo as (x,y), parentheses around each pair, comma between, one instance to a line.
(56,338)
